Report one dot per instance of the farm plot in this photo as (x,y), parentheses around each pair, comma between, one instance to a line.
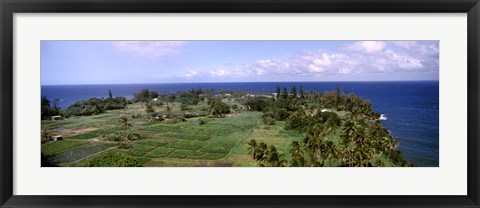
(80,152)
(218,142)
(53,148)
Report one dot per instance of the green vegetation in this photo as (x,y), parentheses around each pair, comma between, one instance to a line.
(219,128)
(94,106)
(144,95)
(53,148)
(47,110)
(356,140)
(116,159)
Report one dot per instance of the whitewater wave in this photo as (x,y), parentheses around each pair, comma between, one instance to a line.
(382,117)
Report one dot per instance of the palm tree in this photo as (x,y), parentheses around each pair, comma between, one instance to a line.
(346,139)
(168,108)
(273,158)
(297,155)
(125,124)
(313,144)
(329,151)
(253,149)
(278,91)
(302,95)
(262,151)
(302,114)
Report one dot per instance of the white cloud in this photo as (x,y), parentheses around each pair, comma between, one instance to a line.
(367,46)
(191,74)
(314,68)
(148,48)
(360,57)
(231,72)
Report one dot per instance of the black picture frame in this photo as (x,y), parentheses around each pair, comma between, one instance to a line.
(9,7)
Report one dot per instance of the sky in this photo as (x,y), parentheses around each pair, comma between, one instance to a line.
(128,62)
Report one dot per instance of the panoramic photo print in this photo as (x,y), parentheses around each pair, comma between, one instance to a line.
(239,103)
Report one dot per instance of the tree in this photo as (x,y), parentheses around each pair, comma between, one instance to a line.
(294,92)
(127,134)
(253,149)
(144,95)
(284,93)
(329,151)
(171,98)
(125,123)
(219,108)
(45,136)
(302,95)
(258,103)
(153,94)
(110,94)
(297,155)
(274,158)
(168,109)
(45,107)
(46,110)
(348,132)
(278,91)
(338,97)
(150,111)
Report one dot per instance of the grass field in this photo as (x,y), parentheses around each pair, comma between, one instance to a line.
(221,142)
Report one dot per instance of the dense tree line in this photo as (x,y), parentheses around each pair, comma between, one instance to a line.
(94,106)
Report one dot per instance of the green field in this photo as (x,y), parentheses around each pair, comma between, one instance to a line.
(220,142)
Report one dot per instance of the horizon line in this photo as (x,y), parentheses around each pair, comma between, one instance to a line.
(237,82)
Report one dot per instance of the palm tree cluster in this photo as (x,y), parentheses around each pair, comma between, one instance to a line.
(127,133)
(363,141)
(266,156)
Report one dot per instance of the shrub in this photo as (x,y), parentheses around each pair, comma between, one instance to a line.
(116,137)
(220,108)
(184,106)
(268,120)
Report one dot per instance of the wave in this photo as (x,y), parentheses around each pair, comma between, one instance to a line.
(382,117)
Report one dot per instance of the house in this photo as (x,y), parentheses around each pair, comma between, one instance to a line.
(56,118)
(57,137)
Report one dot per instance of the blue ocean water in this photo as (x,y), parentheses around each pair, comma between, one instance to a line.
(411,108)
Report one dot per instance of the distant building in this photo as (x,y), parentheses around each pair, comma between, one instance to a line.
(57,137)
(56,118)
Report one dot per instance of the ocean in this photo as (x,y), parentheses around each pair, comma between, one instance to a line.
(409,108)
